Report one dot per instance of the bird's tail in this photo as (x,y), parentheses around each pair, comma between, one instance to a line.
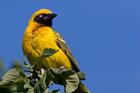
(81,89)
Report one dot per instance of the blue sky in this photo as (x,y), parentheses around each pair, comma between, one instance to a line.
(104,36)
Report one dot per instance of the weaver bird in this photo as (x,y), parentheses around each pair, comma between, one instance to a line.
(40,35)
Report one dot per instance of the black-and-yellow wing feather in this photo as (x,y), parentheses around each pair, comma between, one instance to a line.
(63,46)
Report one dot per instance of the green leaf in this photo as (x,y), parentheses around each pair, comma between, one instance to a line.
(81,75)
(13,80)
(55,73)
(40,86)
(31,90)
(72,81)
(66,77)
(27,86)
(48,52)
(49,80)
(13,76)
(26,65)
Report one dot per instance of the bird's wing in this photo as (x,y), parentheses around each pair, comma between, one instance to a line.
(63,46)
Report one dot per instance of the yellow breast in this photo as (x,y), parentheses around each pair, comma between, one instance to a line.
(34,42)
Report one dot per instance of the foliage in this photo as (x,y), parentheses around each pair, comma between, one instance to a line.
(30,80)
(15,80)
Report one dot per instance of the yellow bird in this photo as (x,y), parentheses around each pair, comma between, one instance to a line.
(40,35)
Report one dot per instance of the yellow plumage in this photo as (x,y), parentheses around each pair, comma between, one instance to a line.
(36,41)
(38,36)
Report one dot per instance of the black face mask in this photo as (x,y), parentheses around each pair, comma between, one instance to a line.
(45,19)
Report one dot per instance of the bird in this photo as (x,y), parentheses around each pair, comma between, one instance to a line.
(40,35)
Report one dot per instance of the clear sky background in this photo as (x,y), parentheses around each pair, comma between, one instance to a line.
(104,36)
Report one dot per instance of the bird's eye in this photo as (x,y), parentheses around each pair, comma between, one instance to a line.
(41,15)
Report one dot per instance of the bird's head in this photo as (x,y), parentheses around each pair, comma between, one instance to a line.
(43,17)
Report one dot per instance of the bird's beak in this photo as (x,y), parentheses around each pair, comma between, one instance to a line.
(49,16)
